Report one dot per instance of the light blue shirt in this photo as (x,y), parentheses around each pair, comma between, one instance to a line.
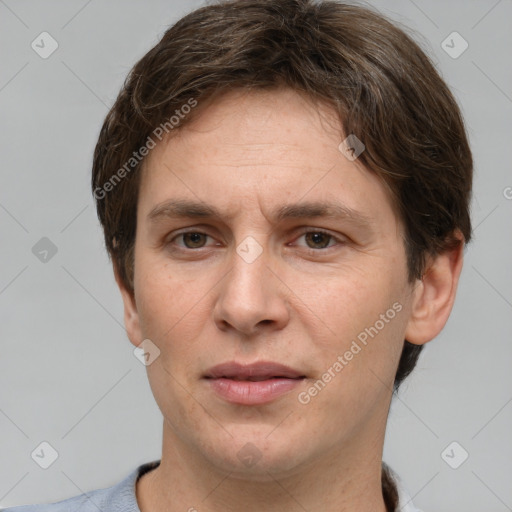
(121,497)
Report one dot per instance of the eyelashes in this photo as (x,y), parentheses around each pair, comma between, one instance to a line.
(196,240)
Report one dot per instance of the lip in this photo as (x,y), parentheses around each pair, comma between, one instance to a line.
(252,384)
(234,370)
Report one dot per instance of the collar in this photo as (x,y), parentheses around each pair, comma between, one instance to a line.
(405,503)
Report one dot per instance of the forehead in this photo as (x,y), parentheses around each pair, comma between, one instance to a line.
(261,148)
(250,118)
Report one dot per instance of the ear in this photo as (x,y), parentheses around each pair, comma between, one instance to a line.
(131,315)
(434,295)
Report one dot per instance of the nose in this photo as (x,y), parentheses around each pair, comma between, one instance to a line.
(252,297)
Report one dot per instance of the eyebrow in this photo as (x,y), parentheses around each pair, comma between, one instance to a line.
(184,208)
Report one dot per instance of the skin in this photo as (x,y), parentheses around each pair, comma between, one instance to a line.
(301,303)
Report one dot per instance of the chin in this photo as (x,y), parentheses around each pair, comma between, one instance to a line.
(253,454)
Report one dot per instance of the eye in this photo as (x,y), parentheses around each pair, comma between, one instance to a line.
(318,239)
(192,239)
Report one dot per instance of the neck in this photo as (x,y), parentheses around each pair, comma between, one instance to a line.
(341,481)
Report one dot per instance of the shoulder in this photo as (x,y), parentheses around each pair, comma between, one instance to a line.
(119,497)
(405,503)
(79,503)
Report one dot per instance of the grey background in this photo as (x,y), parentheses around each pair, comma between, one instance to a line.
(68,375)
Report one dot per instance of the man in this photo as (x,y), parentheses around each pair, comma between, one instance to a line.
(283,187)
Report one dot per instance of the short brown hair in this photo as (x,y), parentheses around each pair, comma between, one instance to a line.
(385,89)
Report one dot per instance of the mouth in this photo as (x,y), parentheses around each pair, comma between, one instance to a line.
(252,384)
(257,378)
(253,372)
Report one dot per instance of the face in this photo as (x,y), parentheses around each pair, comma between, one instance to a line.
(292,256)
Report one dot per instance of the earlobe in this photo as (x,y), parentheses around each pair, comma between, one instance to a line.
(434,295)
(131,314)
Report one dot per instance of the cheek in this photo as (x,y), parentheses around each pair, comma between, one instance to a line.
(351,300)
(170,308)
(366,312)
(168,312)
(356,371)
